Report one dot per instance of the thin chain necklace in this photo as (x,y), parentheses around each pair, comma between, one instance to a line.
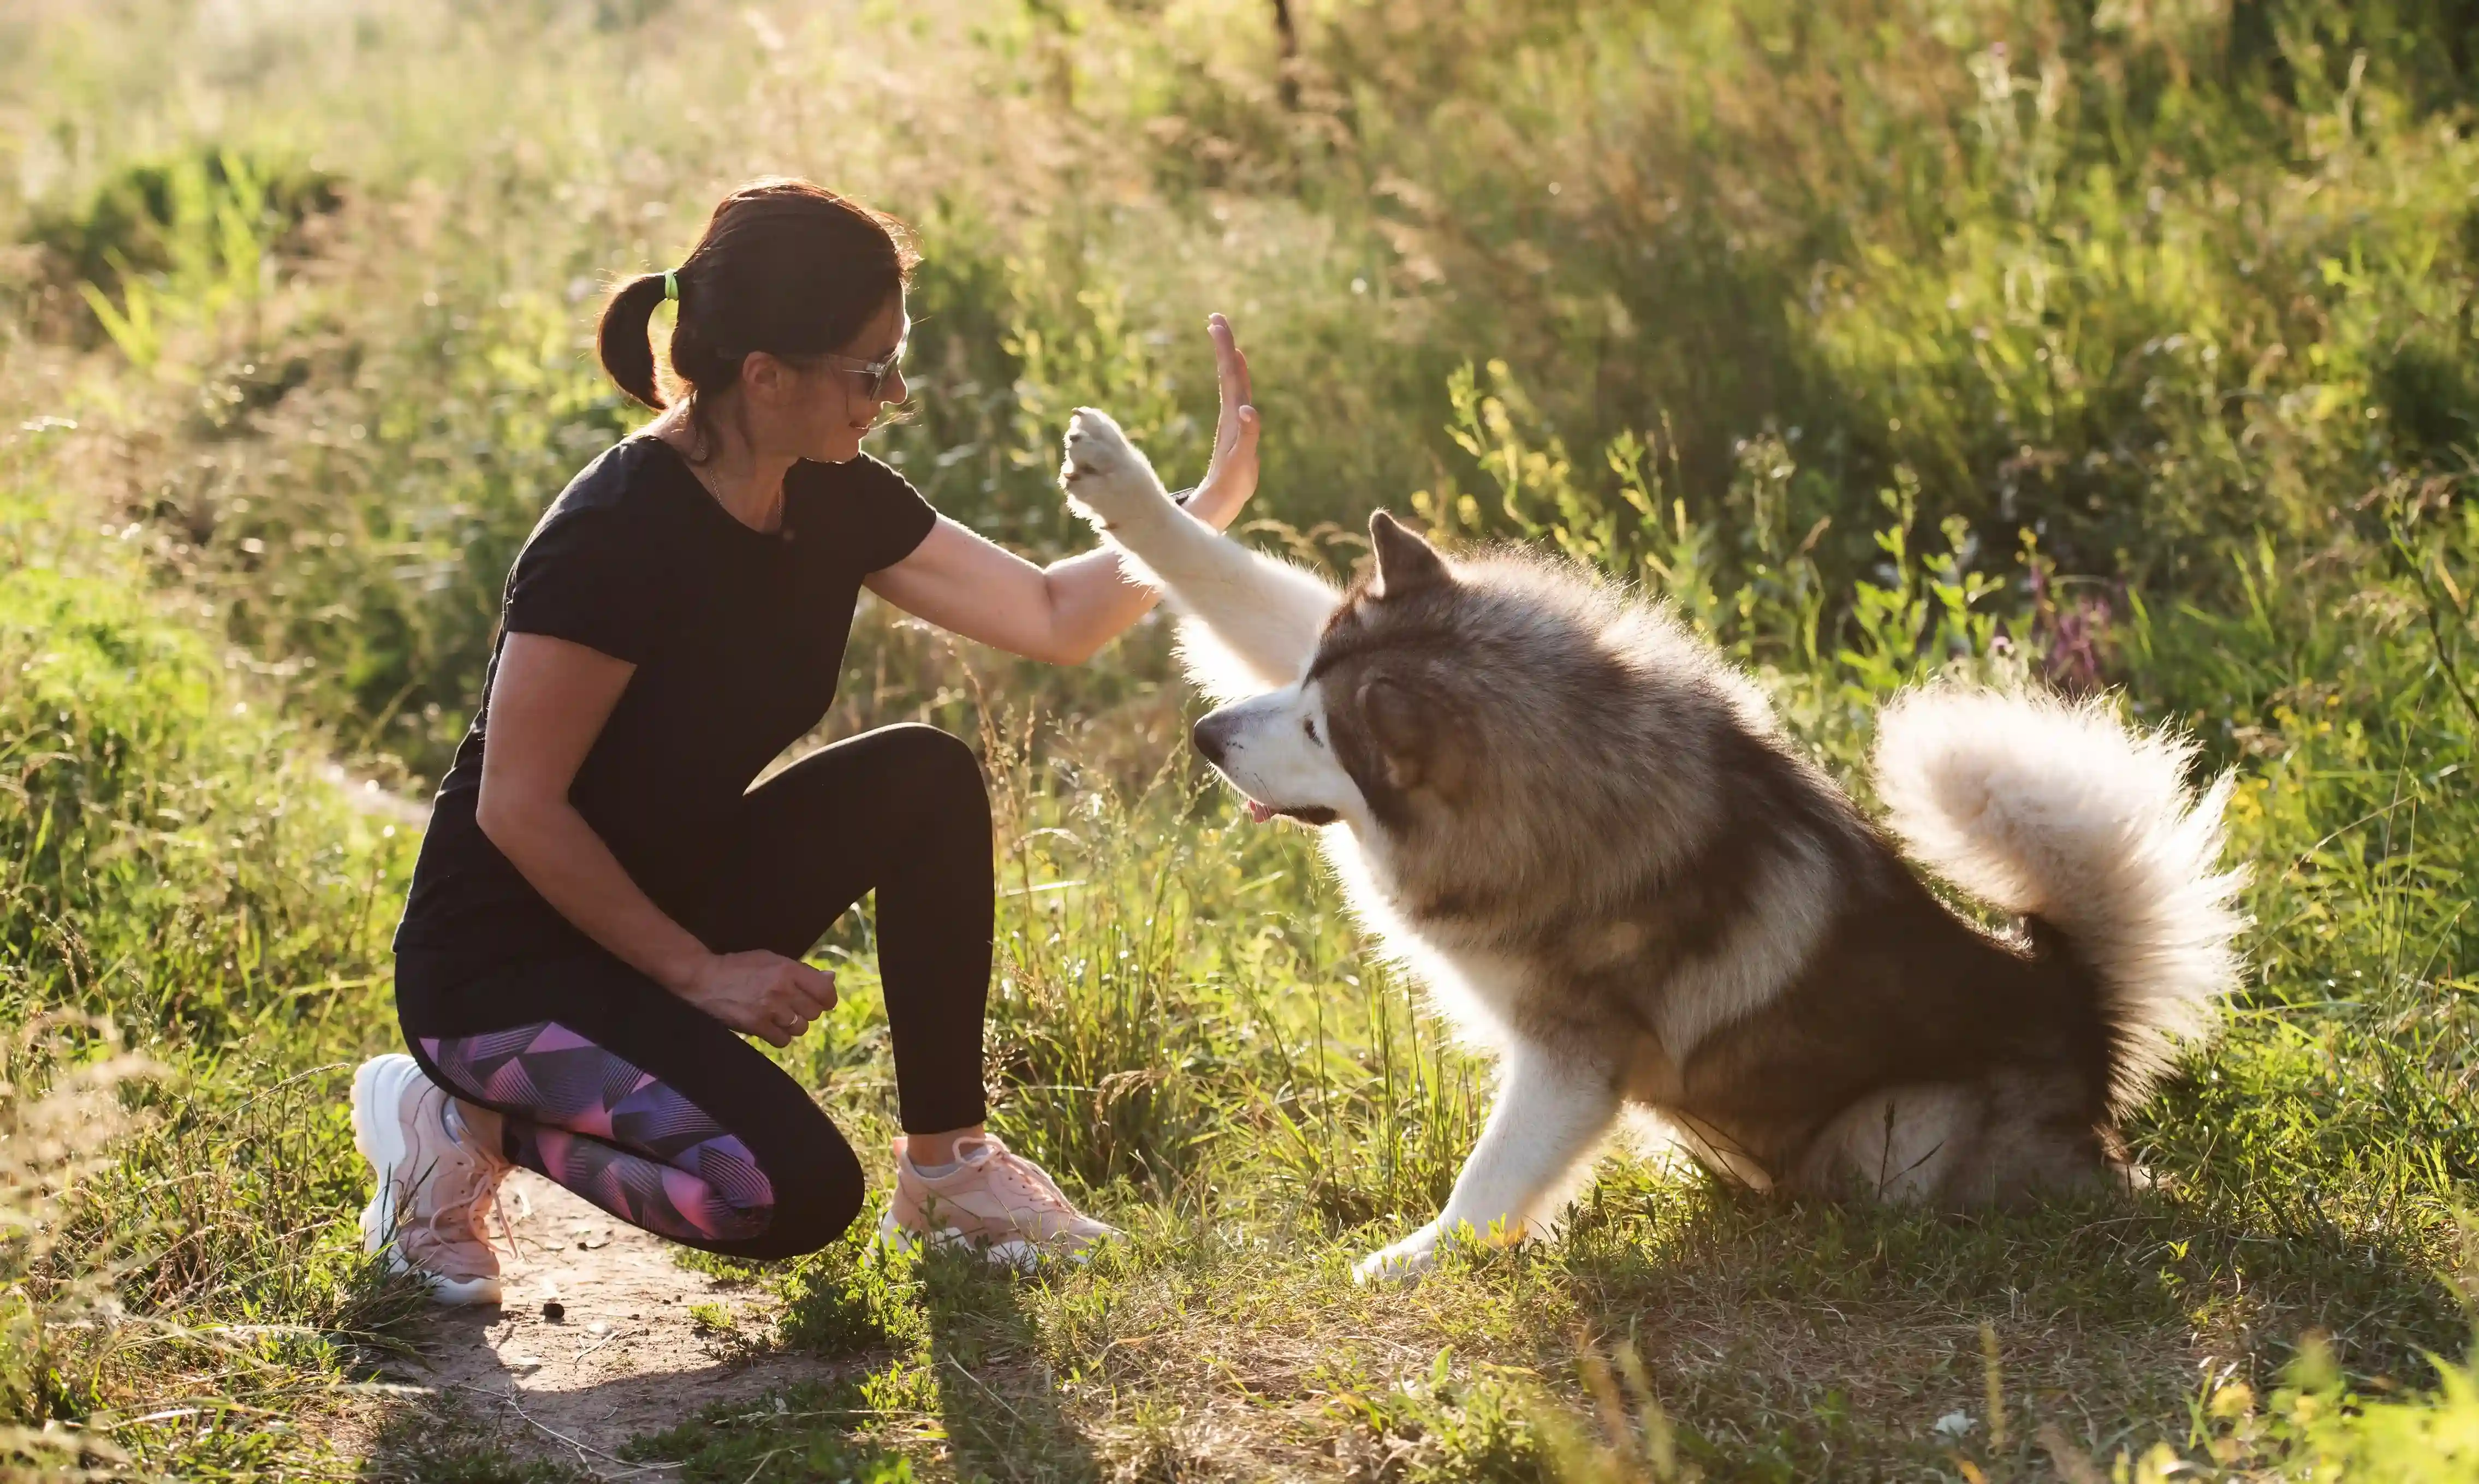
(775,525)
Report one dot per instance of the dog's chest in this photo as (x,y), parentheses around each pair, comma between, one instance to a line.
(1481,992)
(1613,990)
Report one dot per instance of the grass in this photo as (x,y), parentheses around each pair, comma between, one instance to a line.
(2128,346)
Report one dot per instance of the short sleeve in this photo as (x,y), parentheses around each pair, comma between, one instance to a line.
(587,577)
(890,518)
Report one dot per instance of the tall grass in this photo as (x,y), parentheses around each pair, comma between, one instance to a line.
(184,884)
(2145,283)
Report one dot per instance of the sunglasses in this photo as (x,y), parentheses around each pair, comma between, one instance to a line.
(874,374)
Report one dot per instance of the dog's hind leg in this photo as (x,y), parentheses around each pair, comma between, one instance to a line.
(1900,1145)
(1251,621)
(2010,1135)
(1552,1114)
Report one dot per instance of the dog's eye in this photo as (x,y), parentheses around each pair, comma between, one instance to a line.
(1308,725)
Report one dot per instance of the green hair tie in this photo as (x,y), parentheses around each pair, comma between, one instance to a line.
(672,286)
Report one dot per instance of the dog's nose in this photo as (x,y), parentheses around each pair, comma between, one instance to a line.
(1211,739)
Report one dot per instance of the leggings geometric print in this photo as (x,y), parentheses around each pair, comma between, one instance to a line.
(589,1120)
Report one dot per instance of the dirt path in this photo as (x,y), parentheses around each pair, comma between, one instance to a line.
(617,1354)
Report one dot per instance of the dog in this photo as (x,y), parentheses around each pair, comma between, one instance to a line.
(1585,835)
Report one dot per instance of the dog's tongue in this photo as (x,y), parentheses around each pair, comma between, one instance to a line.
(1259,812)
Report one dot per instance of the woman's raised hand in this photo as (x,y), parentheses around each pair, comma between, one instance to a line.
(763,994)
(1069,610)
(1231,477)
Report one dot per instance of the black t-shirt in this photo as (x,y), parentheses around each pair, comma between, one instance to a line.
(737,636)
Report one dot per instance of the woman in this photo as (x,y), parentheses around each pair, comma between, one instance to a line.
(603,906)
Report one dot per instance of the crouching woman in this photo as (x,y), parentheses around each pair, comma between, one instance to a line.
(604,905)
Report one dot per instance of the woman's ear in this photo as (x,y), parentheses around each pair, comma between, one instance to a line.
(765,377)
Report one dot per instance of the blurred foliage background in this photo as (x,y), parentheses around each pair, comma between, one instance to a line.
(2149,281)
(2128,344)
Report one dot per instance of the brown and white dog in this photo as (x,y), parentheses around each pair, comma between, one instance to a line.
(1585,835)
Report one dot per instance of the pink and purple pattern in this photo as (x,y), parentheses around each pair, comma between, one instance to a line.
(588,1120)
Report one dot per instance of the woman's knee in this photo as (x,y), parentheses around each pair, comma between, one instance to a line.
(933,751)
(939,770)
(817,1204)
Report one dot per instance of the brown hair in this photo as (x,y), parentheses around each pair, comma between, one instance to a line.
(783,266)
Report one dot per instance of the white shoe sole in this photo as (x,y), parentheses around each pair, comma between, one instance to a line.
(380,1084)
(1017,1252)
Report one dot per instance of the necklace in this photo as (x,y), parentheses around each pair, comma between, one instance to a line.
(773,525)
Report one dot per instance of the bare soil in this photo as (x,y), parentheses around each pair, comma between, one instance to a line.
(595,1344)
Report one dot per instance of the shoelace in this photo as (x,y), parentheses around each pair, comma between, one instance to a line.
(499,1213)
(482,1174)
(481,1231)
(1030,1179)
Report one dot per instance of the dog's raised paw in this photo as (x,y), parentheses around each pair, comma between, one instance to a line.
(1108,478)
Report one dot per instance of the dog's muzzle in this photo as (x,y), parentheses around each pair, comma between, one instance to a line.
(1211,736)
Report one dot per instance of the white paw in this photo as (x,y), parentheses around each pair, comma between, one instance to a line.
(1402,1262)
(1419,1252)
(1108,478)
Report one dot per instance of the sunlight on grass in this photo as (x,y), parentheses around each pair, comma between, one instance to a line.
(2118,347)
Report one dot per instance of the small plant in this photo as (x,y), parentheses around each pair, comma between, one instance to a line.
(794,1435)
(846,1299)
(1451,1424)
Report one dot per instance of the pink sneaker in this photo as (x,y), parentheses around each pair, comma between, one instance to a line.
(998,1202)
(433,1187)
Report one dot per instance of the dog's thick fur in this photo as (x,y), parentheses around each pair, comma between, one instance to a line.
(1585,835)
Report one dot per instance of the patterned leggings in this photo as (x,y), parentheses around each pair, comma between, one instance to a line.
(618,1089)
(607,1129)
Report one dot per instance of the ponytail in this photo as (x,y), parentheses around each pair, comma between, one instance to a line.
(626,338)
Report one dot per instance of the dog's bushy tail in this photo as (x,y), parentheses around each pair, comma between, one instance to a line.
(2058,812)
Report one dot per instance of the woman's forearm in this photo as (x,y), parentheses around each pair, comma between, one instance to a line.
(561,856)
(1092,599)
(1216,504)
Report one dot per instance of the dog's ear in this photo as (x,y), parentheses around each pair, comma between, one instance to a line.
(1405,563)
(1417,741)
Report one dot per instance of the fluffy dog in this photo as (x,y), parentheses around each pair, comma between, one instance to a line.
(1584,834)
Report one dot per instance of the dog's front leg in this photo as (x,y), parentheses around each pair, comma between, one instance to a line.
(1552,1113)
(1259,617)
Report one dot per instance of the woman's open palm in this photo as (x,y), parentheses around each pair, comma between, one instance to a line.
(1232,473)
